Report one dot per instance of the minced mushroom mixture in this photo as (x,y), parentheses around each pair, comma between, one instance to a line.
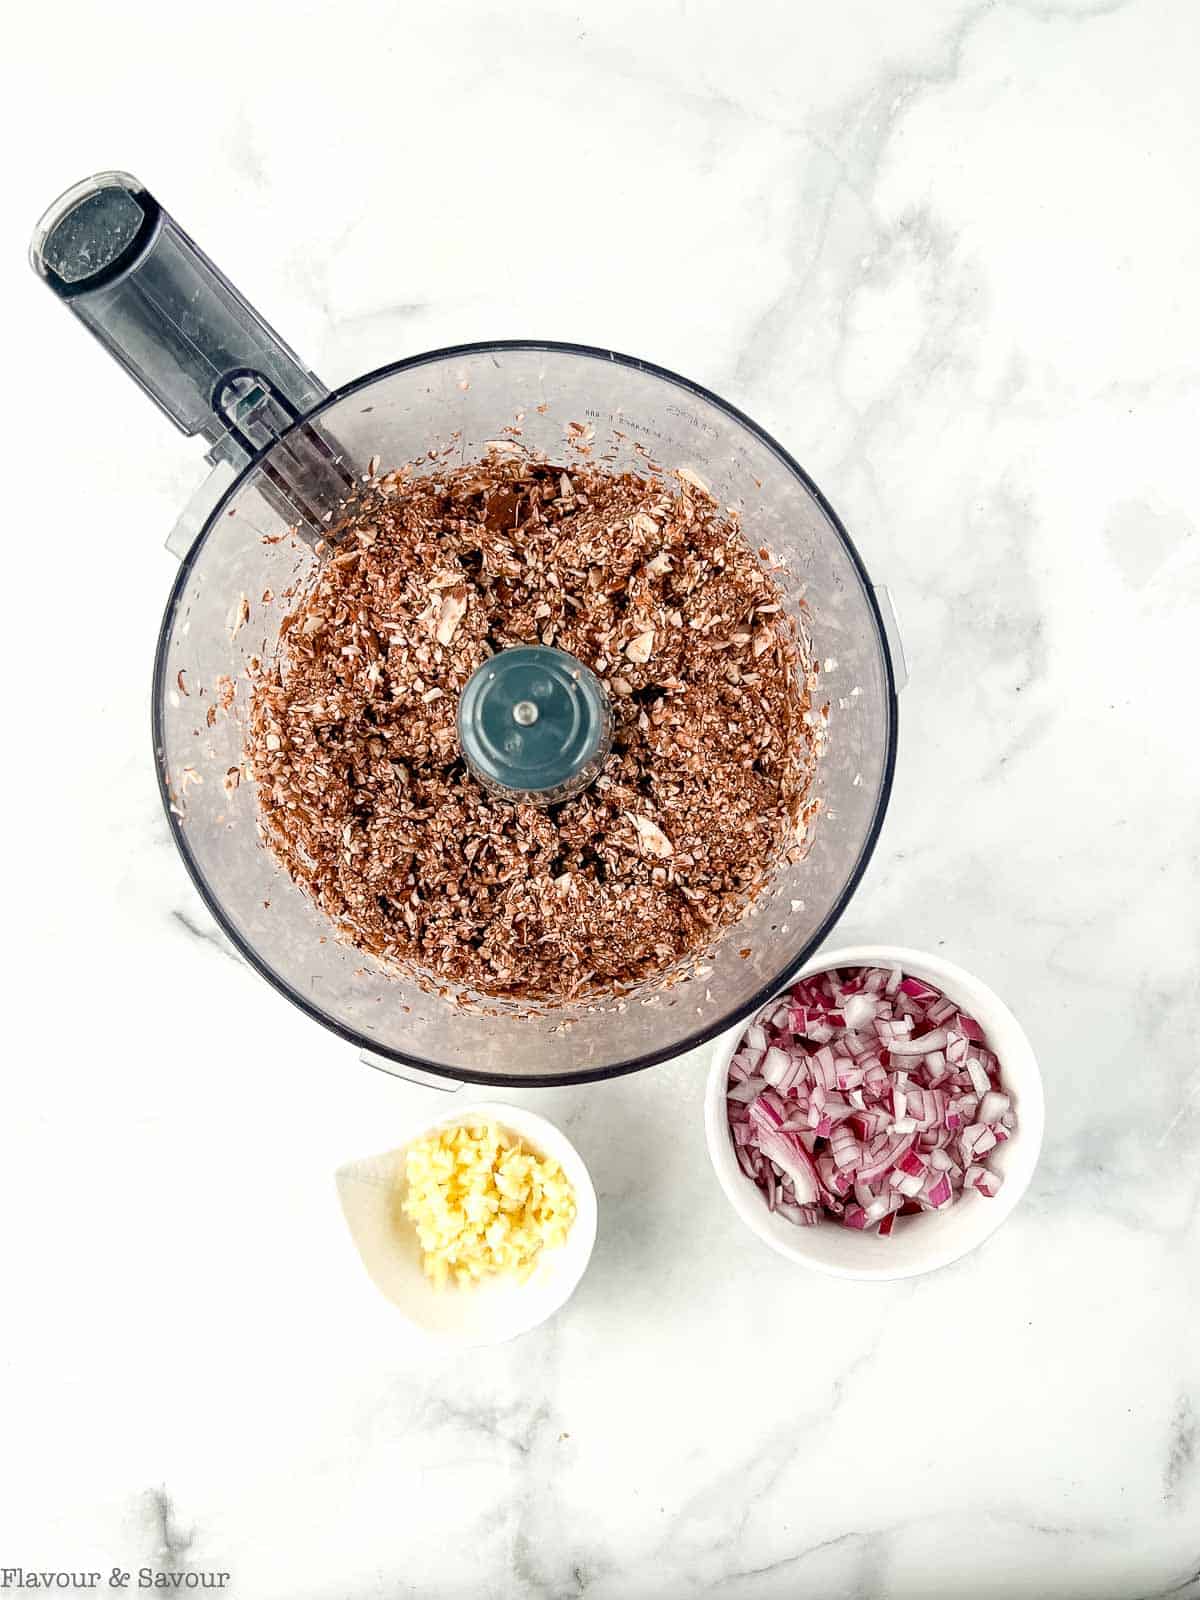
(365,800)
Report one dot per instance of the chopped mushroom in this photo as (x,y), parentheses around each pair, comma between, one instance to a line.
(651,837)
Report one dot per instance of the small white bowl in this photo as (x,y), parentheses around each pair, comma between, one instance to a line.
(498,1308)
(918,1243)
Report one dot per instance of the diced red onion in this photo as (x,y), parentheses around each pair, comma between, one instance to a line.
(984,1139)
(979,1178)
(918,990)
(858,1010)
(745,1091)
(935,1062)
(896,1030)
(918,1047)
(824,1066)
(993,1105)
(911,1163)
(885,1156)
(978,1077)
(863,1095)
(847,1152)
(795,1074)
(774,1064)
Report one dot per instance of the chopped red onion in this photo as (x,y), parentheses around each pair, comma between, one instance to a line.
(980,1178)
(785,1152)
(866,1094)
(981,1139)
(883,1154)
(917,989)
(936,1064)
(858,1010)
(775,1064)
(978,1076)
(993,1106)
(911,1163)
(918,1047)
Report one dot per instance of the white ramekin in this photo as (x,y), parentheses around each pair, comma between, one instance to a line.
(918,1243)
(497,1309)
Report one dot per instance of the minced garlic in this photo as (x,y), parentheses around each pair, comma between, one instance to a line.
(482,1203)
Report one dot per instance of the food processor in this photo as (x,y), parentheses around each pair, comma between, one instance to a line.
(285,454)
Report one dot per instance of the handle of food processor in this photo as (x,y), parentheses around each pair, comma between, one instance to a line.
(197,347)
(428,1080)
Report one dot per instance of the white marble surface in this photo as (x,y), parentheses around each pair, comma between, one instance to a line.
(950,253)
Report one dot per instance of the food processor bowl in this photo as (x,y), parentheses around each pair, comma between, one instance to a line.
(281,467)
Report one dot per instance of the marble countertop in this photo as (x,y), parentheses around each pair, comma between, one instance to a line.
(949,254)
